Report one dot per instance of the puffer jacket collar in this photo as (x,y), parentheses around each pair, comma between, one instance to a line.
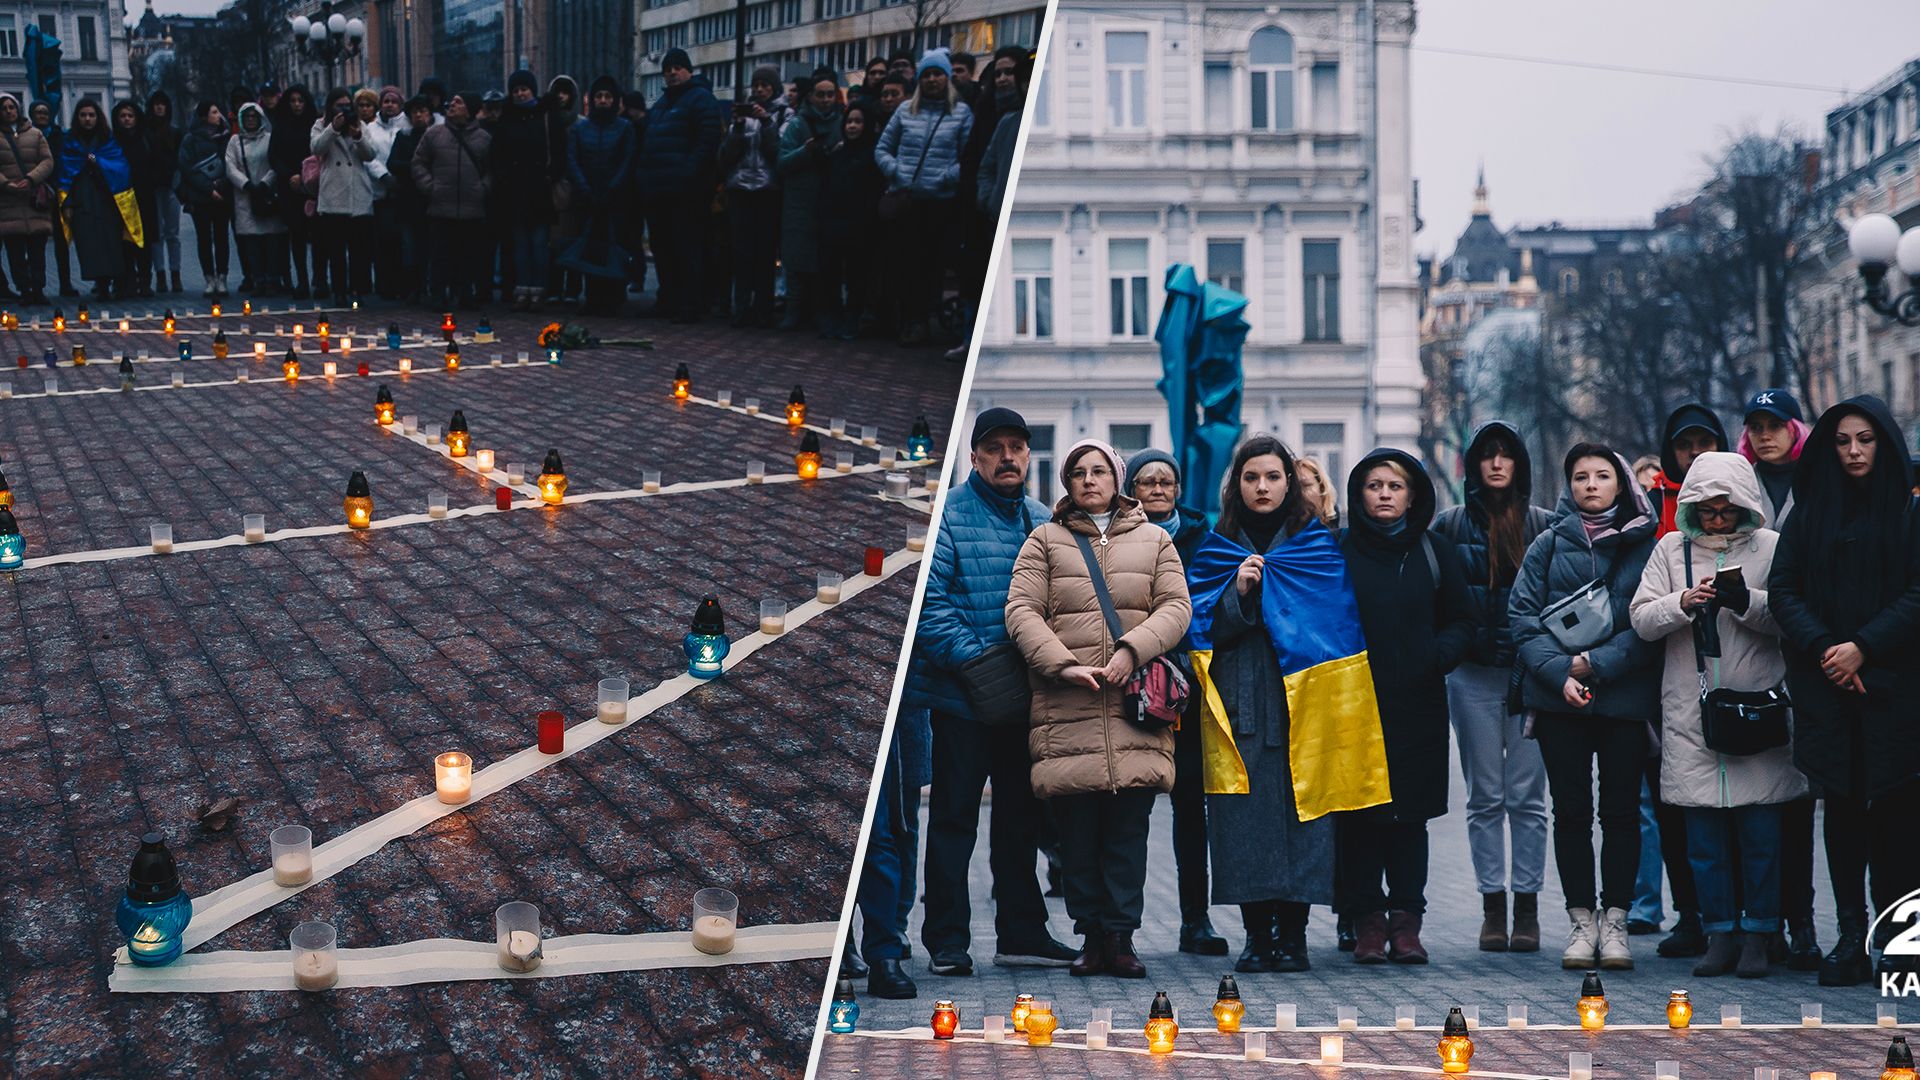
(1006,506)
(1127,516)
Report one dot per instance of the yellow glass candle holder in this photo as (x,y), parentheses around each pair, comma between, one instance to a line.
(1456,1046)
(552,480)
(1228,1009)
(1161,1030)
(1022,1006)
(1679,1010)
(359,501)
(1041,1024)
(1592,1006)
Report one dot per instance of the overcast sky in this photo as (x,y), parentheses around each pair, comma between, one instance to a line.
(1577,144)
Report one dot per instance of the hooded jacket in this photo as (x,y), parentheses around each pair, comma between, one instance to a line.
(751,147)
(1690,773)
(199,145)
(1827,587)
(26,157)
(1466,527)
(1667,484)
(163,139)
(680,144)
(1777,512)
(1081,741)
(292,142)
(600,155)
(346,187)
(560,118)
(919,152)
(803,169)
(524,166)
(1626,679)
(1418,628)
(248,162)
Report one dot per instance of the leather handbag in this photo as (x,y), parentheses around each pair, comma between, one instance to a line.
(997,687)
(1737,723)
(1156,693)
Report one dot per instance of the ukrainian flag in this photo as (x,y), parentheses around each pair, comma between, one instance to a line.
(1337,754)
(114,170)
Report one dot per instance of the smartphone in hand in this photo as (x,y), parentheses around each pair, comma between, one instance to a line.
(1730,589)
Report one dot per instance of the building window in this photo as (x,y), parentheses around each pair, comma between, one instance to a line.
(50,24)
(1127,287)
(1033,288)
(1219,80)
(1040,462)
(89,41)
(833,9)
(1326,97)
(9,37)
(1270,68)
(1614,282)
(790,12)
(1569,282)
(1129,439)
(1227,264)
(1320,274)
(1126,80)
(1325,444)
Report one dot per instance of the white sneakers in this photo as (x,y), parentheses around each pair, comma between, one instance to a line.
(1615,954)
(1583,948)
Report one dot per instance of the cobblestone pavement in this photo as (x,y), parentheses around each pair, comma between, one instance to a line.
(315,677)
(1459,975)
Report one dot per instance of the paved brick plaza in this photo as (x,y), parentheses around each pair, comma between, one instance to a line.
(315,678)
(1459,975)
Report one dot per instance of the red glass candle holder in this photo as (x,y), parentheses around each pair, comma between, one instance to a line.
(21,360)
(876,561)
(553,729)
(503,498)
(362,369)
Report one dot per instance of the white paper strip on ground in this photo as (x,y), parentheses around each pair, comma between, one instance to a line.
(448,960)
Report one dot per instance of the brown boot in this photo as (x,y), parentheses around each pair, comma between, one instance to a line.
(1370,938)
(1493,923)
(1121,963)
(1092,959)
(1403,938)
(1526,923)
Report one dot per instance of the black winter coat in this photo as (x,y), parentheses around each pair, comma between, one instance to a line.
(523,167)
(1417,629)
(1466,527)
(849,210)
(1847,744)
(679,147)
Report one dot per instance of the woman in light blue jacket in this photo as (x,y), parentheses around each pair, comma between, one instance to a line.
(919,154)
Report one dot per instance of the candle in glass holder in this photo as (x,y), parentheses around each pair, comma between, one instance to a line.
(869,435)
(843,463)
(946,1019)
(521,357)
(179,378)
(409,424)
(1592,1007)
(358,504)
(773,617)
(1286,1017)
(1516,1015)
(1580,1066)
(827,587)
(1810,1014)
(259,350)
(552,479)
(916,539)
(1256,1046)
(716,912)
(1333,1049)
(650,480)
(483,459)
(453,777)
(255,527)
(458,437)
(613,701)
(993,1028)
(1403,1017)
(724,399)
(837,426)
(1886,1014)
(503,498)
(516,930)
(1666,1070)
(162,537)
(551,731)
(1679,1010)
(1347,1017)
(876,562)
(752,406)
(316,965)
(1162,1028)
(756,472)
(516,474)
(1096,1034)
(329,368)
(437,504)
(897,484)
(1041,1024)
(291,847)
(405,364)
(1730,1015)
(432,431)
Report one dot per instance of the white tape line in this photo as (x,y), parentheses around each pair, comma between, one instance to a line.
(779,416)
(1014,1040)
(271,378)
(222,908)
(113,321)
(469,462)
(449,960)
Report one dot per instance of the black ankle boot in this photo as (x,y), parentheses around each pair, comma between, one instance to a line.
(1289,939)
(1803,945)
(1847,964)
(1689,938)
(1199,937)
(1258,919)
(1343,932)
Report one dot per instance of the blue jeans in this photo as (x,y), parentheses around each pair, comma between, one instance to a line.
(530,256)
(1646,884)
(1711,835)
(883,935)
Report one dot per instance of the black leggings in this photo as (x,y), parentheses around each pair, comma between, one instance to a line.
(1876,834)
(1570,746)
(210,224)
(1368,847)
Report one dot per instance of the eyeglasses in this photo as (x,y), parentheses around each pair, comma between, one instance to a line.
(1098,472)
(1720,513)
(1156,483)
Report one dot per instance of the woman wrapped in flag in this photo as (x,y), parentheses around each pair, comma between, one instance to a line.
(1291,731)
(98,208)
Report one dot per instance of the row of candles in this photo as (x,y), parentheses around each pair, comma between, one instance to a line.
(83,317)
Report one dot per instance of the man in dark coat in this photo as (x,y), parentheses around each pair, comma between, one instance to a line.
(1418,619)
(524,171)
(676,170)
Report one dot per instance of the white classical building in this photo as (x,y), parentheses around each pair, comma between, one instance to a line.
(1265,144)
(93,45)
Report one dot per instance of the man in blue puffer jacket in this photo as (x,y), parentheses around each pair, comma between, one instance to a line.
(987,520)
(679,147)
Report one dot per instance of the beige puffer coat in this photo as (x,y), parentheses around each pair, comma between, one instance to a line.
(35,164)
(1750,658)
(1080,741)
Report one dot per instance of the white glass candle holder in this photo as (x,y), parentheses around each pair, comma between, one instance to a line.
(259,350)
(837,426)
(932,483)
(917,539)
(1333,1049)
(994,1028)
(496,360)
(1762,1072)
(1286,1017)
(650,480)
(1347,1017)
(613,701)
(437,504)
(291,847)
(1730,1015)
(1666,1070)
(1256,1046)
(405,364)
(298,330)
(827,587)
(1580,1065)
(843,463)
(433,434)
(329,368)
(889,459)
(1810,1014)
(1096,1035)
(1886,1014)
(756,472)
(346,345)
(316,961)
(516,474)
(1516,1015)
(869,435)
(520,357)
(161,535)
(453,777)
(1403,1017)
(179,378)
(716,913)
(752,405)
(773,617)
(279,329)
(409,424)
(6,388)
(483,460)
(1823,1076)
(1103,1015)
(724,399)
(516,934)
(254,526)
(1472,1015)
(897,485)
(53,383)
(240,375)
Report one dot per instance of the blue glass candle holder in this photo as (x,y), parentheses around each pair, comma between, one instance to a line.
(554,352)
(126,373)
(844,1014)
(186,349)
(49,359)
(393,335)
(920,442)
(13,546)
(706,643)
(154,913)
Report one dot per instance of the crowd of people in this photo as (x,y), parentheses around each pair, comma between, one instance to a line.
(1731,635)
(452,199)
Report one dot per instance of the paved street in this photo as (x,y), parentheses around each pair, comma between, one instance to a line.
(314,678)
(1459,975)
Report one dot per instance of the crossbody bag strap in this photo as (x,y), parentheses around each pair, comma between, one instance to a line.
(924,147)
(1100,587)
(17,163)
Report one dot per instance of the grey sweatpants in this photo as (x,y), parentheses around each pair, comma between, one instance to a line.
(1506,782)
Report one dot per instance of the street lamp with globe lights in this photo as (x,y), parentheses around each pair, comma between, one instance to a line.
(329,36)
(1878,244)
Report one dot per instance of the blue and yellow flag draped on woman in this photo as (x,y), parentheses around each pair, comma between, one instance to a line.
(114,171)
(1335,750)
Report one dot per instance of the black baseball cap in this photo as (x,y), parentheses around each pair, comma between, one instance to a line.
(1777,402)
(991,420)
